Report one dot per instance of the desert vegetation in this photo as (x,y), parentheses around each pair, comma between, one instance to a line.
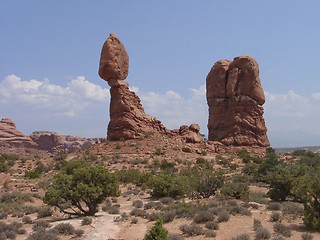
(262,196)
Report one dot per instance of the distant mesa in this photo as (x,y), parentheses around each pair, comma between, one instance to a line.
(235,98)
(52,142)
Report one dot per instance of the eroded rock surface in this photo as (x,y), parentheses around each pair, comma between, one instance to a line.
(11,137)
(127,117)
(191,134)
(235,98)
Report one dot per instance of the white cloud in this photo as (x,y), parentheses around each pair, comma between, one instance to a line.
(82,108)
(52,105)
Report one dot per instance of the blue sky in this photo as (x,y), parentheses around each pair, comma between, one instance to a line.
(50,50)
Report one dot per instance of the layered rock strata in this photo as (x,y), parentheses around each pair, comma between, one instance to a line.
(11,137)
(127,117)
(235,98)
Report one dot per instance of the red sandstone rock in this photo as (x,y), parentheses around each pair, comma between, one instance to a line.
(191,134)
(11,137)
(127,117)
(235,98)
(54,142)
(114,60)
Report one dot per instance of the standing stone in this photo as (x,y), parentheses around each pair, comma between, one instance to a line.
(127,117)
(235,98)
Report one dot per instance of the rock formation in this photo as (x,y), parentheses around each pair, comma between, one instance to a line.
(11,137)
(191,134)
(127,117)
(235,98)
(52,142)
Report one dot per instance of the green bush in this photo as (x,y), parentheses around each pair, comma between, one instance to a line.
(165,185)
(84,186)
(191,230)
(3,166)
(203,183)
(157,232)
(237,188)
(64,228)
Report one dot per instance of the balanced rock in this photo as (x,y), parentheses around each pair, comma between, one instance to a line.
(127,117)
(235,98)
(114,60)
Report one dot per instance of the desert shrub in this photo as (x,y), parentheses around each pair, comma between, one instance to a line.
(11,234)
(139,213)
(204,182)
(78,232)
(209,233)
(114,209)
(236,188)
(61,156)
(26,219)
(28,209)
(275,217)
(157,231)
(256,224)
(274,206)
(152,216)
(293,210)
(307,189)
(244,236)
(167,167)
(191,230)
(278,237)
(282,229)
(173,236)
(203,217)
(165,185)
(42,224)
(64,228)
(306,236)
(3,236)
(166,200)
(185,210)
(223,216)
(244,156)
(134,220)
(258,197)
(43,234)
(137,203)
(168,216)
(21,231)
(241,211)
(44,212)
(150,205)
(212,203)
(3,215)
(86,221)
(3,166)
(212,225)
(81,183)
(262,234)
(17,214)
(17,197)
